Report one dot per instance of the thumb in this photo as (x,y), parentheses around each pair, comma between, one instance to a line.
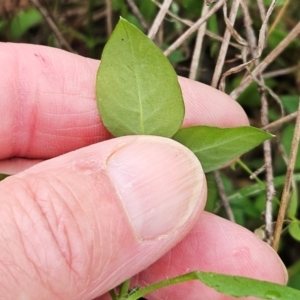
(75,226)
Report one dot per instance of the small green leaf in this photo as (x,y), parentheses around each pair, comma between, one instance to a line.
(216,146)
(23,21)
(137,88)
(293,202)
(290,103)
(212,193)
(2,176)
(294,230)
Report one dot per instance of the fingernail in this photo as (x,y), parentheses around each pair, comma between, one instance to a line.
(159,183)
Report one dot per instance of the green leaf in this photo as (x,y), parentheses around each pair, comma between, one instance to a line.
(2,176)
(216,146)
(290,103)
(279,2)
(137,88)
(294,230)
(286,139)
(212,193)
(148,9)
(23,21)
(293,202)
(235,286)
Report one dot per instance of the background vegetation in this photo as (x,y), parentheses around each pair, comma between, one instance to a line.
(83,27)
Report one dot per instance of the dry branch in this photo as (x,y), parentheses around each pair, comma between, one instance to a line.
(159,18)
(267,60)
(289,177)
(198,46)
(224,47)
(44,12)
(193,28)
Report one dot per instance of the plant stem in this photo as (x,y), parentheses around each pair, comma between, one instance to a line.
(192,29)
(124,289)
(113,294)
(245,167)
(223,196)
(50,21)
(198,46)
(224,46)
(289,178)
(151,288)
(159,19)
(267,60)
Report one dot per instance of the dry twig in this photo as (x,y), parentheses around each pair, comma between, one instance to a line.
(269,172)
(255,51)
(137,13)
(223,196)
(109,24)
(264,28)
(193,28)
(267,60)
(281,72)
(189,23)
(198,46)
(288,181)
(279,16)
(224,47)
(261,8)
(281,121)
(257,172)
(44,12)
(159,19)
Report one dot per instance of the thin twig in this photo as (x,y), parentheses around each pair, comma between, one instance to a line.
(251,45)
(261,84)
(189,23)
(109,25)
(255,51)
(44,12)
(262,9)
(281,72)
(159,19)
(251,38)
(233,71)
(281,121)
(138,14)
(279,16)
(264,28)
(198,46)
(268,59)
(269,172)
(193,28)
(224,47)
(184,21)
(257,172)
(219,38)
(288,181)
(223,196)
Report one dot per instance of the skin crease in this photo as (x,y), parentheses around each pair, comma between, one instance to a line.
(50,109)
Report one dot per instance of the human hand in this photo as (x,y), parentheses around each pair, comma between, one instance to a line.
(76,225)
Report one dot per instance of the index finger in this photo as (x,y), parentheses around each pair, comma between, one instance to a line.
(48,96)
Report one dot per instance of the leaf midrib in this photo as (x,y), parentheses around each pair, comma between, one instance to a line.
(142,128)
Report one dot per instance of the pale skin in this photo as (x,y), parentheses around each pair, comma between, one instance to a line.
(75,225)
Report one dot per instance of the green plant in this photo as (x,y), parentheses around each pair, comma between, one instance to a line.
(138,93)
